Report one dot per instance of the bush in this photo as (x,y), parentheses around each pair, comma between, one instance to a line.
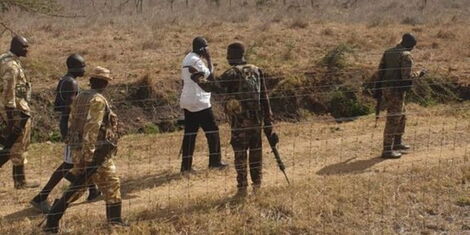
(344,106)
(151,128)
(55,136)
(433,89)
(336,58)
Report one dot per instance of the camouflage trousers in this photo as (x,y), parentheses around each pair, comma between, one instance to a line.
(247,146)
(105,178)
(396,118)
(18,152)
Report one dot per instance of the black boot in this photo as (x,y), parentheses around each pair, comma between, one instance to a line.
(388,153)
(93,193)
(218,165)
(40,201)
(41,204)
(113,214)
(398,145)
(54,216)
(4,157)
(20,179)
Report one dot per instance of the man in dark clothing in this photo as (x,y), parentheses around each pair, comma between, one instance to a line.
(67,90)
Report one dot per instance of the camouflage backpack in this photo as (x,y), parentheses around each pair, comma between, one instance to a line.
(249,89)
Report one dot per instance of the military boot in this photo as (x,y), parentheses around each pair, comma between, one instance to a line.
(113,214)
(40,204)
(387,153)
(219,165)
(20,179)
(4,157)
(54,216)
(399,146)
(93,193)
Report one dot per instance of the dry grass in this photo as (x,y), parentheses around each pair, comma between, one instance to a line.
(338,183)
(156,41)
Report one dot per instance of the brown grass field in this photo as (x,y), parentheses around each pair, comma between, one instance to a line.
(339,185)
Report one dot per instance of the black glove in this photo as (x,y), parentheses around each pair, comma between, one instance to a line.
(273,139)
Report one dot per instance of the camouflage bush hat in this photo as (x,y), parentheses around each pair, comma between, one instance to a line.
(101,73)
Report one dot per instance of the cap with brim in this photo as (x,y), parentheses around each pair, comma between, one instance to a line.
(101,73)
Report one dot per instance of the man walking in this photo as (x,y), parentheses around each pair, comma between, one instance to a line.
(92,137)
(197,108)
(15,109)
(67,90)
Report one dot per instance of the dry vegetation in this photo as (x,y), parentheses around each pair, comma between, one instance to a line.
(339,185)
(154,42)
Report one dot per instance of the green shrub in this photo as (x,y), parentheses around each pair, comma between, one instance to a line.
(151,128)
(344,105)
(336,57)
(55,136)
(433,89)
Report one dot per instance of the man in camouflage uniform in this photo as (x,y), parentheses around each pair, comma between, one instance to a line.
(247,105)
(15,109)
(92,127)
(395,79)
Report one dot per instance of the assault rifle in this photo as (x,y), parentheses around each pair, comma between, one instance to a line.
(273,142)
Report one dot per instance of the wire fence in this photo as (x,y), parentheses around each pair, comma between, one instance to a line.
(313,150)
(316,151)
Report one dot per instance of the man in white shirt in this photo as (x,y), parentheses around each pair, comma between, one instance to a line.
(197,108)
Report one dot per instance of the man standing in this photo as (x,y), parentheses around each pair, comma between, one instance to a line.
(92,136)
(248,107)
(15,109)
(67,90)
(395,79)
(197,108)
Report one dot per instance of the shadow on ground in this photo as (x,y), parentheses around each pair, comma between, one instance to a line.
(129,186)
(29,213)
(174,213)
(350,167)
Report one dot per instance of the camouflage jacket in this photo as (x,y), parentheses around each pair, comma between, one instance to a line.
(395,69)
(91,123)
(15,87)
(240,104)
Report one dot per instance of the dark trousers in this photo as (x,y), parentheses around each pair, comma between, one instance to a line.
(192,122)
(62,171)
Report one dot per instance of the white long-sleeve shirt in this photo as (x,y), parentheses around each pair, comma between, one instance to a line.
(194,98)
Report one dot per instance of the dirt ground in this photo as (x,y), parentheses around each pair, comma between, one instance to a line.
(338,183)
